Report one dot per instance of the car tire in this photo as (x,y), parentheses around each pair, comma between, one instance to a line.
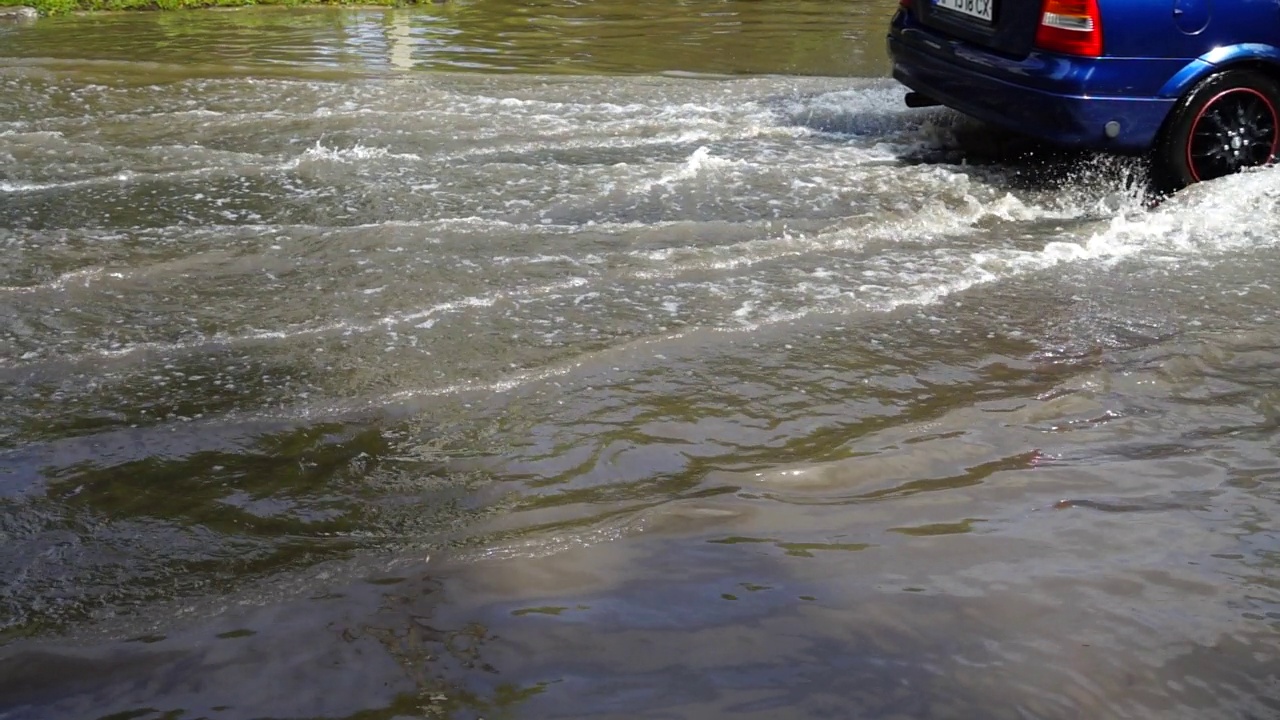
(1228,122)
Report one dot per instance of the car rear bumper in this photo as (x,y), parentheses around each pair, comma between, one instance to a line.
(1043,96)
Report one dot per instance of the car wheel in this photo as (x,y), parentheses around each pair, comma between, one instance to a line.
(1227,123)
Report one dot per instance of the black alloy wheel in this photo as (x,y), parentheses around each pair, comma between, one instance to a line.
(1227,123)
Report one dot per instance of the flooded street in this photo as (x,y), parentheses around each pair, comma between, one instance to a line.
(610,360)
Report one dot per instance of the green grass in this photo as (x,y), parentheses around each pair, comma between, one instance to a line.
(62,7)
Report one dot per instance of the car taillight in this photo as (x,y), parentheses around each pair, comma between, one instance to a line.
(1071,27)
(906,4)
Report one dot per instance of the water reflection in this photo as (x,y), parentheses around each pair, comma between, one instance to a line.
(690,611)
(812,37)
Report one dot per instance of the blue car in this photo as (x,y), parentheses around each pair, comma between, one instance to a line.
(1193,84)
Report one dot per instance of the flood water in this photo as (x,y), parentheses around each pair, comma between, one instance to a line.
(623,359)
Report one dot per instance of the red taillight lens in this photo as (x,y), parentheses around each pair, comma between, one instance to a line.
(1071,27)
(906,4)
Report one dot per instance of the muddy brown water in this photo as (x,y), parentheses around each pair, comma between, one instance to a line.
(609,360)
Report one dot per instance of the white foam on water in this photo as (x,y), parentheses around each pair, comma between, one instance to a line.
(872,110)
(162,348)
(932,218)
(126,177)
(34,134)
(83,276)
(1201,220)
(304,331)
(241,163)
(620,135)
(544,259)
(701,161)
(119,178)
(482,301)
(1202,223)
(355,153)
(1229,214)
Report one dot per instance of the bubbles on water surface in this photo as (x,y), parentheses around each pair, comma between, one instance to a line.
(895,206)
(786,203)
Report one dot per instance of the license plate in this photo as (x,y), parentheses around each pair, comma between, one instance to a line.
(981,9)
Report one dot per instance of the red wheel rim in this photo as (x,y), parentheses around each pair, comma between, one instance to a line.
(1238,128)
